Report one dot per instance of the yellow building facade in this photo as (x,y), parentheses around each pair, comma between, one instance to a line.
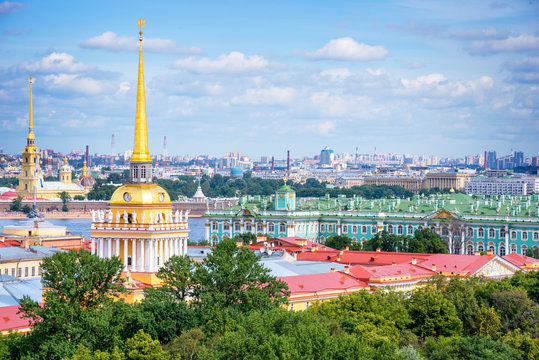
(140,226)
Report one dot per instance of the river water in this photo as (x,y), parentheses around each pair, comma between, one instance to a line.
(82,226)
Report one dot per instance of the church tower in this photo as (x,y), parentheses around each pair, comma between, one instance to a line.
(30,158)
(140,226)
(65,172)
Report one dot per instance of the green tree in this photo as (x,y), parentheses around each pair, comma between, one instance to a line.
(176,276)
(16,204)
(517,310)
(528,281)
(65,197)
(232,276)
(469,348)
(338,242)
(79,197)
(143,347)
(527,347)
(26,209)
(533,252)
(426,241)
(187,345)
(433,315)
(79,286)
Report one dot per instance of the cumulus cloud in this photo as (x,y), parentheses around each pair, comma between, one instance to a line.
(347,49)
(109,41)
(235,62)
(323,128)
(270,96)
(437,85)
(55,62)
(522,42)
(11,7)
(76,83)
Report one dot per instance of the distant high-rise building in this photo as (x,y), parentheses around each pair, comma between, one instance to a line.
(535,161)
(490,159)
(326,156)
(518,158)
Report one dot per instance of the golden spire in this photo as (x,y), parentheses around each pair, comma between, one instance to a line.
(31,135)
(140,150)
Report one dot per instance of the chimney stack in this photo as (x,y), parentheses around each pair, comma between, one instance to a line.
(378,250)
(433,267)
(332,270)
(477,253)
(272,163)
(490,252)
(346,269)
(414,261)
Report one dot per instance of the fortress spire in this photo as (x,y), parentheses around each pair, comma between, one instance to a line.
(140,149)
(31,137)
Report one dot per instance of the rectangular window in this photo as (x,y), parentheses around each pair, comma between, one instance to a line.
(39,270)
(226,226)
(19,272)
(237,227)
(12,271)
(345,229)
(26,271)
(282,228)
(271,227)
(524,235)
(214,226)
(5,271)
(354,229)
(33,271)
(129,260)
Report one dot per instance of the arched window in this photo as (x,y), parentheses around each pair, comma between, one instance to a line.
(502,251)
(535,236)
(502,232)
(513,248)
(399,230)
(445,232)
(214,226)
(271,227)
(354,229)
(323,228)
(226,226)
(420,227)
(237,227)
(248,227)
(433,228)
(470,232)
(259,227)
(491,233)
(410,230)
(524,248)
(513,235)
(469,250)
(363,229)
(390,229)
(524,235)
(282,228)
(344,229)
(374,229)
(491,247)
(480,248)
(480,233)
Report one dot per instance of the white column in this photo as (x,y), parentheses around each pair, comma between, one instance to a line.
(151,254)
(125,254)
(117,253)
(134,261)
(101,252)
(161,252)
(142,255)
(180,243)
(185,246)
(109,248)
(92,244)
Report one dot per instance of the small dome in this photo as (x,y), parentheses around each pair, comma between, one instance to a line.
(236,171)
(87,181)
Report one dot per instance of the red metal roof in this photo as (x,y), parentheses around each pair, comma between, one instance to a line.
(10,320)
(302,284)
(520,260)
(389,271)
(468,264)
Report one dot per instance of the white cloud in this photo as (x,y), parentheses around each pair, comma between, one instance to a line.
(270,96)
(76,83)
(487,33)
(437,85)
(336,75)
(324,128)
(111,42)
(56,62)
(347,49)
(523,42)
(235,62)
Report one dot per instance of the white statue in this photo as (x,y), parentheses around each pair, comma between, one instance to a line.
(125,216)
(170,216)
(142,218)
(93,215)
(177,216)
(165,215)
(151,218)
(109,216)
(186,215)
(117,217)
(181,215)
(134,217)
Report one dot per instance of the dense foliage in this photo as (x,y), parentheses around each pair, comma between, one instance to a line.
(424,241)
(230,315)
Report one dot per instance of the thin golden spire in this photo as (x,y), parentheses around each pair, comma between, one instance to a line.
(31,135)
(141,151)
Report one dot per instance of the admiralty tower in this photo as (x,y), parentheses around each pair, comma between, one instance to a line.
(140,226)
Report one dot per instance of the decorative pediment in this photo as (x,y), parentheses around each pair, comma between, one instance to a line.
(497,267)
(443,214)
(247,212)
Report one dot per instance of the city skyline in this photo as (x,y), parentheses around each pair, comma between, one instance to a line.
(405,77)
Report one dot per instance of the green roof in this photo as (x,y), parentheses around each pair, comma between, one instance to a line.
(285,188)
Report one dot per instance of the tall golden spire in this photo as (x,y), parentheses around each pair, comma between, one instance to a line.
(140,151)
(31,135)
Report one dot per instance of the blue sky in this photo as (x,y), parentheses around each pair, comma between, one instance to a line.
(445,78)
